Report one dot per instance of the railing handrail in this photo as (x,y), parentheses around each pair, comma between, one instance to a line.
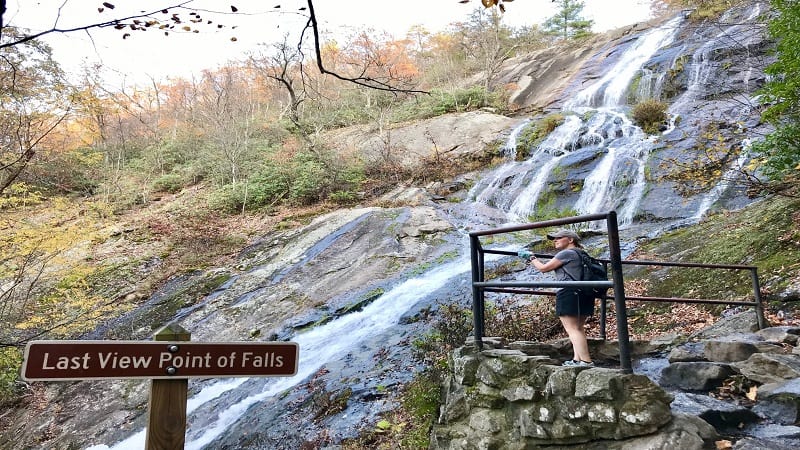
(480,286)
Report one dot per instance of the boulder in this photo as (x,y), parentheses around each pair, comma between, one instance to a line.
(721,415)
(769,368)
(737,347)
(688,352)
(781,335)
(695,376)
(743,322)
(779,402)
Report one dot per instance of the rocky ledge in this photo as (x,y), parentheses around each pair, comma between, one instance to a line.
(517,395)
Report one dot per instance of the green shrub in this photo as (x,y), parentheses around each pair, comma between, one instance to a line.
(441,102)
(171,182)
(10,363)
(650,115)
(306,178)
(343,197)
(20,194)
(309,178)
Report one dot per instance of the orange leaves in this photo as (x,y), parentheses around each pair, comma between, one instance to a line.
(377,56)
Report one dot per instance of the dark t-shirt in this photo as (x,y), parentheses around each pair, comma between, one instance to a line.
(571,264)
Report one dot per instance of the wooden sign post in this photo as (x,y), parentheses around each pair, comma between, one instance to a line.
(166,412)
(168,362)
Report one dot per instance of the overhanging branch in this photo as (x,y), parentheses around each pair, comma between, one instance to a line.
(109,23)
(365,81)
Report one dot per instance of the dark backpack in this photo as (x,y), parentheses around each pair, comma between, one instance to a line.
(592,270)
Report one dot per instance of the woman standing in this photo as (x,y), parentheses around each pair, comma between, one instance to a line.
(573,306)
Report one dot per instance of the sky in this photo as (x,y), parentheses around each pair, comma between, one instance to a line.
(151,55)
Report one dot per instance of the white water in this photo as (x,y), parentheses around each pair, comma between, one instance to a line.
(483,192)
(561,140)
(510,147)
(617,181)
(702,69)
(614,84)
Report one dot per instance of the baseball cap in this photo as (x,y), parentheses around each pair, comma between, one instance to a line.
(564,233)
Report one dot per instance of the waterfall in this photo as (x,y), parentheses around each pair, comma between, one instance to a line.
(599,137)
(612,87)
(701,67)
(223,402)
(510,146)
(618,179)
(650,85)
(317,347)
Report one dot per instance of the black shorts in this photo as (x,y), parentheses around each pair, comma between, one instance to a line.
(573,302)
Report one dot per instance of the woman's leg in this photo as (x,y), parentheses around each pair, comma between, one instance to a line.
(574,325)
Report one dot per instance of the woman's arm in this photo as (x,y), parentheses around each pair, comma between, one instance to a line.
(553,264)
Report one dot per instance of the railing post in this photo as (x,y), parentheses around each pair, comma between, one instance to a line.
(477,293)
(166,419)
(603,318)
(615,255)
(603,313)
(762,321)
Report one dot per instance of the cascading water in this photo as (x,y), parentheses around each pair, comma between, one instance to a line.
(561,140)
(700,77)
(220,404)
(617,181)
(483,191)
(613,86)
(701,67)
(317,347)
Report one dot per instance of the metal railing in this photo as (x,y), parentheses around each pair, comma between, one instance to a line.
(480,286)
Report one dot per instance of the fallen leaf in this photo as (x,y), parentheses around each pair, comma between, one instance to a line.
(723,444)
(751,394)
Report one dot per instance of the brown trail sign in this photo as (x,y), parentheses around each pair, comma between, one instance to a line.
(84,360)
(168,361)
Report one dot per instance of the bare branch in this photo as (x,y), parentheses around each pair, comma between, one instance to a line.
(106,24)
(362,80)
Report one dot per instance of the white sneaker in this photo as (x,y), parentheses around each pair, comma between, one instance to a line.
(573,363)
